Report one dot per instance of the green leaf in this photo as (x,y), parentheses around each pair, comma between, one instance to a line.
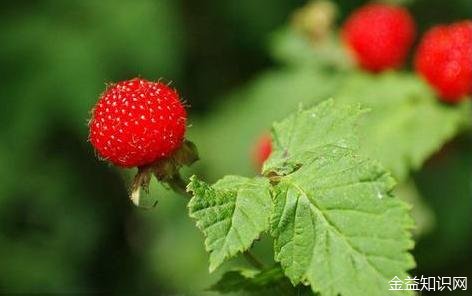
(266,282)
(335,224)
(407,123)
(232,213)
(235,126)
(296,137)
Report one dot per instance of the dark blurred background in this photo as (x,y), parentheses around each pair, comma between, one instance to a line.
(66,224)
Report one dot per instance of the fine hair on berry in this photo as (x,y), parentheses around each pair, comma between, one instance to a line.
(379,36)
(137,122)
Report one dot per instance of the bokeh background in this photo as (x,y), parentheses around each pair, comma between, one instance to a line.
(66,224)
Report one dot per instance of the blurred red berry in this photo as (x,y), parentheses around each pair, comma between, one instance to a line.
(444,59)
(379,35)
(137,122)
(262,150)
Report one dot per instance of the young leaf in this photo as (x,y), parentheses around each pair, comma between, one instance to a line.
(407,123)
(296,137)
(335,224)
(232,213)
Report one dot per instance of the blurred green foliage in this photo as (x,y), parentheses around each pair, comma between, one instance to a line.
(66,224)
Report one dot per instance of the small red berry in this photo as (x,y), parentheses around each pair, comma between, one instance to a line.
(262,150)
(379,35)
(444,59)
(137,122)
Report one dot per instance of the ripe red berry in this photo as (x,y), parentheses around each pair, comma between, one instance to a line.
(137,122)
(262,150)
(379,35)
(444,59)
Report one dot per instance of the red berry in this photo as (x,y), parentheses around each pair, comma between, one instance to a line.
(444,59)
(137,122)
(262,150)
(379,35)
